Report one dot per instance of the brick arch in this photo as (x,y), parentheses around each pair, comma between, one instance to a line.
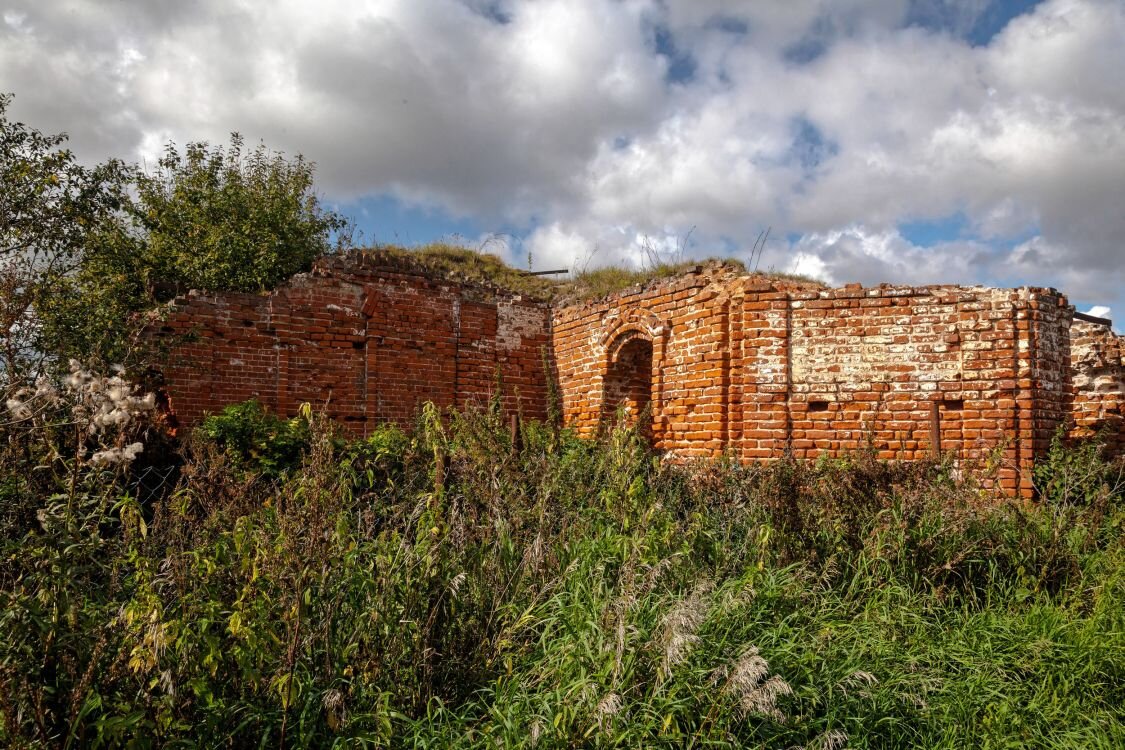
(641,321)
(637,336)
(627,385)
(622,337)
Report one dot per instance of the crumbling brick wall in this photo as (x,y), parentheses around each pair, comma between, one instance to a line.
(757,368)
(714,361)
(1098,387)
(367,343)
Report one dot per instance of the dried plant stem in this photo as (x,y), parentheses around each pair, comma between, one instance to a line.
(292,659)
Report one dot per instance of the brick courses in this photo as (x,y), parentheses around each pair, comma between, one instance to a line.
(754,368)
(720,363)
(366,343)
(1098,387)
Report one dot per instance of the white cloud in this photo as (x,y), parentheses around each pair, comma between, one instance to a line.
(1100,311)
(1069,51)
(426,98)
(859,254)
(832,122)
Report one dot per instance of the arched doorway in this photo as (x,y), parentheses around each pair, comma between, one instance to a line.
(628,383)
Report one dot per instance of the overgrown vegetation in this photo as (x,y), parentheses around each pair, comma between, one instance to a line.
(287,586)
(602,282)
(460,263)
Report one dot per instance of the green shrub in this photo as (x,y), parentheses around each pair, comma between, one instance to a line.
(1078,473)
(257,440)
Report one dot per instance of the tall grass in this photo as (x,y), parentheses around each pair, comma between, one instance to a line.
(444,588)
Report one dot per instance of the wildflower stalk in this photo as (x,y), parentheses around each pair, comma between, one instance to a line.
(292,659)
(76,466)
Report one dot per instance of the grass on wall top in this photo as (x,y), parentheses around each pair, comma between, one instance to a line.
(463,264)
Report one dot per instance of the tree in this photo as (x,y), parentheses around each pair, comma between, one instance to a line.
(216,219)
(50,207)
(223,219)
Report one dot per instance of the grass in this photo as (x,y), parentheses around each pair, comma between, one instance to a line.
(462,264)
(606,281)
(327,592)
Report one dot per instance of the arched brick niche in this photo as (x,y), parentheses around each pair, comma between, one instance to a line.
(627,386)
(631,369)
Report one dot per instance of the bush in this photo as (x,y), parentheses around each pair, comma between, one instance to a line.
(256,440)
(224,218)
(1079,473)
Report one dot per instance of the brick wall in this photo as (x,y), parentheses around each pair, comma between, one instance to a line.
(369,344)
(714,362)
(755,368)
(1098,387)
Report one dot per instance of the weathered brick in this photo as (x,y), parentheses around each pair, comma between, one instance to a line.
(368,345)
(721,363)
(799,353)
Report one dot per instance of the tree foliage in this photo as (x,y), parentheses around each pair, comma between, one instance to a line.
(83,250)
(227,219)
(50,209)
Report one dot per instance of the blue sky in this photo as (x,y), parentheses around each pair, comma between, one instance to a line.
(912,141)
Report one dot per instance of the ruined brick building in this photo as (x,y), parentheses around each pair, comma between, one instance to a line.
(716,361)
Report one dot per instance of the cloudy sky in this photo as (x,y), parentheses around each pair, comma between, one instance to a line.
(880,140)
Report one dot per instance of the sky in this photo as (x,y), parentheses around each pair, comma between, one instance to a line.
(902,141)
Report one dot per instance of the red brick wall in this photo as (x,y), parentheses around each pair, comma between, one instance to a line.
(1046,374)
(740,365)
(755,368)
(368,344)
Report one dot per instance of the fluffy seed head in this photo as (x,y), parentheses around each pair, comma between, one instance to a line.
(681,624)
(607,707)
(833,739)
(747,683)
